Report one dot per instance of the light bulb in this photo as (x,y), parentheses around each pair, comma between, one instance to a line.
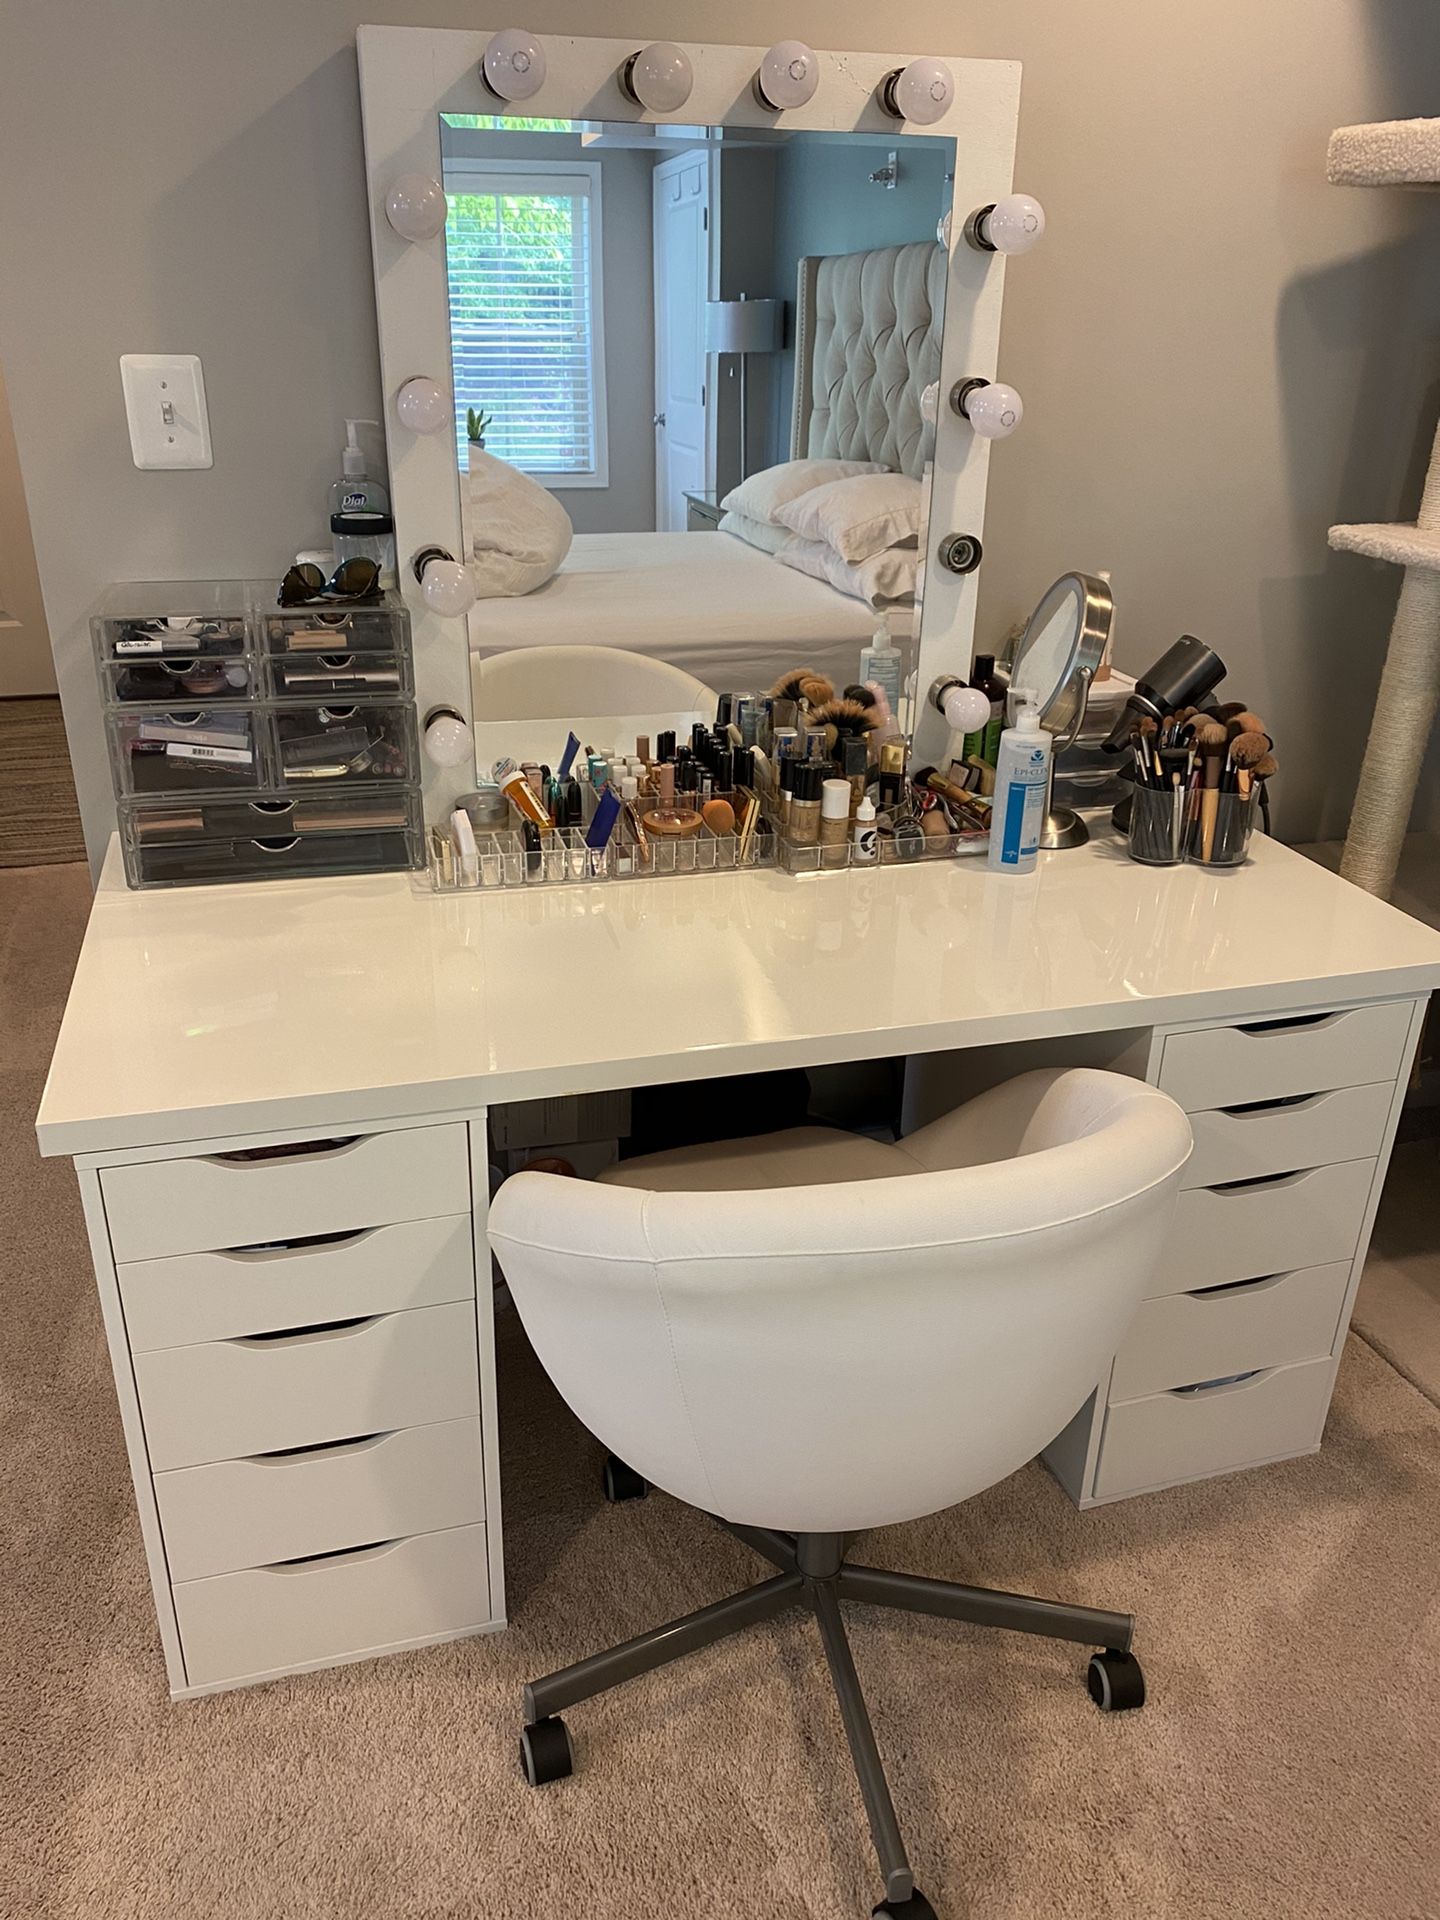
(930,402)
(659,77)
(921,93)
(966,709)
(513,65)
(447,738)
(415,206)
(423,405)
(1012,225)
(788,75)
(993,409)
(447,588)
(942,230)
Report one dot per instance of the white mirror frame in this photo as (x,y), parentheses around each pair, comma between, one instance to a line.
(409,76)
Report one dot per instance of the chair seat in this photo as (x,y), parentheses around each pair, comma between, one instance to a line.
(796,1157)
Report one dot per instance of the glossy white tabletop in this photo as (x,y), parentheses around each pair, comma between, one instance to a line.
(203,1012)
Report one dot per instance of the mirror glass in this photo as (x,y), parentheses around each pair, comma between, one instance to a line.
(1065,634)
(641,319)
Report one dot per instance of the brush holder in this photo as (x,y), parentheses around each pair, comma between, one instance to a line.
(1220,828)
(1159,822)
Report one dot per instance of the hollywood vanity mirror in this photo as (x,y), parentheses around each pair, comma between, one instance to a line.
(616,283)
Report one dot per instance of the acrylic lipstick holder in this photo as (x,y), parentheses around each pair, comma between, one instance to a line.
(562,859)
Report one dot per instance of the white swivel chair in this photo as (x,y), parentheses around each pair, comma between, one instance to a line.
(872,1333)
(547,683)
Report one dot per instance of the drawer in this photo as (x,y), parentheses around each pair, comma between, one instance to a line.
(265,1194)
(185,750)
(281,1506)
(240,1625)
(333,745)
(360,676)
(1181,1436)
(1246,1143)
(176,681)
(233,1397)
(273,856)
(193,1297)
(271,816)
(303,632)
(1219,1234)
(1189,1337)
(1272,1059)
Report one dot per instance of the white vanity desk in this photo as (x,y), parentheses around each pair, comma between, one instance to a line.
(206,1022)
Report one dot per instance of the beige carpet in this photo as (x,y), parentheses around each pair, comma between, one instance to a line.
(39,816)
(1398,1305)
(1286,1766)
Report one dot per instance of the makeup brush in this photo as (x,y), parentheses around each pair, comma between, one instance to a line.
(1247,750)
(803,683)
(1210,743)
(844,720)
(1246,722)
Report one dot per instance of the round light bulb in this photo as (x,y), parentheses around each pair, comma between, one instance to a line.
(930,403)
(513,64)
(1013,225)
(994,410)
(423,405)
(415,206)
(921,93)
(966,709)
(447,738)
(942,230)
(447,588)
(659,77)
(788,75)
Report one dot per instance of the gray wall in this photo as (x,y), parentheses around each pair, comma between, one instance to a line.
(1219,354)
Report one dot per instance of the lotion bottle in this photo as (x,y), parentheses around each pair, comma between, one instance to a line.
(880,661)
(1022,786)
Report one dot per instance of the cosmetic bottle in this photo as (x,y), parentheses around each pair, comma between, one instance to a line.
(664,746)
(834,822)
(804,818)
(855,765)
(880,661)
(866,846)
(1022,780)
(785,789)
(985,744)
(516,788)
(355,491)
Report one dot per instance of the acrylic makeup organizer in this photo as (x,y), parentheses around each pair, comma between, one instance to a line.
(250,741)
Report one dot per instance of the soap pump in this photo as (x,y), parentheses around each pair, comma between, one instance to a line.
(354,491)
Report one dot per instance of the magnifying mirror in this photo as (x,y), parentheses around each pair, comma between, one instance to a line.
(1057,657)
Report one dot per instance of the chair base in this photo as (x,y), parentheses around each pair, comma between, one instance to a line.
(812,1571)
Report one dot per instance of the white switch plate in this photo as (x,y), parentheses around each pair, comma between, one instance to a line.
(165,405)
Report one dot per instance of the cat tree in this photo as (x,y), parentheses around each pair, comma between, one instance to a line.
(1395,153)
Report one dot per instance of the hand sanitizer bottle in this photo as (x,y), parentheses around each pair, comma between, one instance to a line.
(355,491)
(881,661)
(1022,786)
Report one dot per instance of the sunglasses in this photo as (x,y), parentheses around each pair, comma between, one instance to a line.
(351,580)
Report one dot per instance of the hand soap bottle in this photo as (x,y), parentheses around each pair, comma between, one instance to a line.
(355,491)
(880,661)
(1022,787)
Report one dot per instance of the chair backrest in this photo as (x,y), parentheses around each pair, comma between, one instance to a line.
(547,683)
(829,1358)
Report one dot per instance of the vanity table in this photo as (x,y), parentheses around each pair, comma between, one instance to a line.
(275,1097)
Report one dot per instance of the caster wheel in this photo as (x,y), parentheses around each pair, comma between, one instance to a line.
(545,1752)
(1115,1681)
(917,1907)
(621,1482)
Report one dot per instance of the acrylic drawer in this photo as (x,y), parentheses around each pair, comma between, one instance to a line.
(171,682)
(299,633)
(1219,1234)
(350,742)
(261,1195)
(272,856)
(282,1506)
(1190,1337)
(194,1297)
(1272,1059)
(1183,1436)
(234,1397)
(171,619)
(355,676)
(270,816)
(185,750)
(241,1626)
(1246,1143)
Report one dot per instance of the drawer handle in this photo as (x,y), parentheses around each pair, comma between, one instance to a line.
(311,1562)
(1296,1023)
(291,1150)
(326,1450)
(264,1250)
(1258,1109)
(1217,1389)
(1231,1287)
(1271,1181)
(309,1336)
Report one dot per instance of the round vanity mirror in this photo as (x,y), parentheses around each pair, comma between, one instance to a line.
(1057,657)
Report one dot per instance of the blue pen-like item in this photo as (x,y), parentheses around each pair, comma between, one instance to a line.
(607,812)
(572,747)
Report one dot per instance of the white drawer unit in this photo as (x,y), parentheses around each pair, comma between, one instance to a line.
(193,1297)
(300,1613)
(246,1396)
(1272,1059)
(1314,1130)
(1262,1227)
(255,1198)
(1168,1437)
(1191,1337)
(282,1506)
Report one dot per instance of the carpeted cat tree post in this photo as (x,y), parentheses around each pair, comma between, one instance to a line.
(1395,153)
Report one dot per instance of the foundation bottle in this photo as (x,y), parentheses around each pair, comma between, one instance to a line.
(803,827)
(835,797)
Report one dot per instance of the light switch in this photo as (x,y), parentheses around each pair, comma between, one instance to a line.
(165,405)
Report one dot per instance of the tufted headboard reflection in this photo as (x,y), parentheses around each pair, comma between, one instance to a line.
(867,342)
